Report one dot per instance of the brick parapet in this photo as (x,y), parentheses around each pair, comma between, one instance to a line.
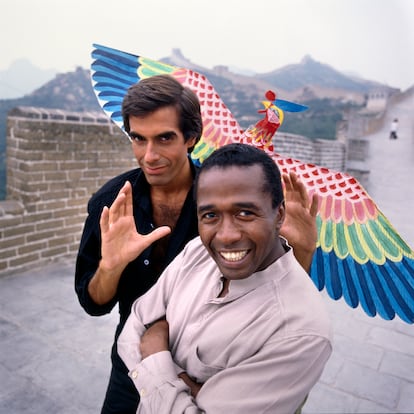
(53,168)
(55,164)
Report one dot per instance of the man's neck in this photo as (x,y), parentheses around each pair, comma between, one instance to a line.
(176,192)
(167,201)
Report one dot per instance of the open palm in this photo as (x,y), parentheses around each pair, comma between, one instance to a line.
(121,241)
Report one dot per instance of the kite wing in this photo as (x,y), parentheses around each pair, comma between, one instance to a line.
(114,71)
(359,256)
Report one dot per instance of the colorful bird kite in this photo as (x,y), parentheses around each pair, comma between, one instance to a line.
(359,255)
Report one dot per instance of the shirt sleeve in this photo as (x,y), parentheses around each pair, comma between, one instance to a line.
(155,377)
(149,308)
(160,389)
(87,262)
(275,380)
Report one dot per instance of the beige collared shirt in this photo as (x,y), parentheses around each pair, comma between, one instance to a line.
(259,349)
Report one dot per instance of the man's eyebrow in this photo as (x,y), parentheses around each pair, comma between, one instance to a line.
(243,204)
(206,207)
(247,204)
(167,134)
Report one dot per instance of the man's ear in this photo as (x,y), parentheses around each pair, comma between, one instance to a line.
(191,143)
(280,215)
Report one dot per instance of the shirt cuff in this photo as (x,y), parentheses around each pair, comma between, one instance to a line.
(153,372)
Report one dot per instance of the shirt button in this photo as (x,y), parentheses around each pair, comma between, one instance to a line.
(146,262)
(134,374)
(143,392)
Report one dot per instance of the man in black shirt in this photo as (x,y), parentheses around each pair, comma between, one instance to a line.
(163,121)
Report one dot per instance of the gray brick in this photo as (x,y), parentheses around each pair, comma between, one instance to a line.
(366,406)
(396,341)
(369,384)
(360,352)
(327,400)
(400,365)
(32,401)
(406,404)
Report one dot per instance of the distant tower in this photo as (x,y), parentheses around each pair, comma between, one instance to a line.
(377,100)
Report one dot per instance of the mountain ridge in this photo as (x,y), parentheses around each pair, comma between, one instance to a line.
(22,77)
(327,96)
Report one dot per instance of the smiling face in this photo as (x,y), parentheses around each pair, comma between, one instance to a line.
(236,220)
(160,148)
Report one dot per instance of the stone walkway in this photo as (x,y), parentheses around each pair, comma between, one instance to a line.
(55,359)
(372,367)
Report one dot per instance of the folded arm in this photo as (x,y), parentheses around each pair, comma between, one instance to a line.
(277,379)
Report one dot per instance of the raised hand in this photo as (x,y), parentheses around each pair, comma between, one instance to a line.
(121,242)
(299,227)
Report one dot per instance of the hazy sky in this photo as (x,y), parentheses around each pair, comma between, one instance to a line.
(372,38)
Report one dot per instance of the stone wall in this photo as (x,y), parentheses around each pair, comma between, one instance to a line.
(53,167)
(328,153)
(57,160)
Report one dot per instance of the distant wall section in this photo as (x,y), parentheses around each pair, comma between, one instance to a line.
(56,160)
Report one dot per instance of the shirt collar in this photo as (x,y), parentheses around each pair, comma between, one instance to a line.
(276,271)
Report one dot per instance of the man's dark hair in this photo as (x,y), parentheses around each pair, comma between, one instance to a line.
(160,91)
(244,155)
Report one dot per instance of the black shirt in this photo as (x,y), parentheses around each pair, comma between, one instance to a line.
(142,273)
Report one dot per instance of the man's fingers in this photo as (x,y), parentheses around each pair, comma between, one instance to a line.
(288,185)
(295,189)
(302,191)
(117,208)
(157,234)
(314,205)
(104,220)
(128,199)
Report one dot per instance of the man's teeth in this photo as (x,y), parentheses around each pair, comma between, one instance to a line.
(233,256)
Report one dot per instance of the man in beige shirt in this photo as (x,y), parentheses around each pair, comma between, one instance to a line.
(234,324)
